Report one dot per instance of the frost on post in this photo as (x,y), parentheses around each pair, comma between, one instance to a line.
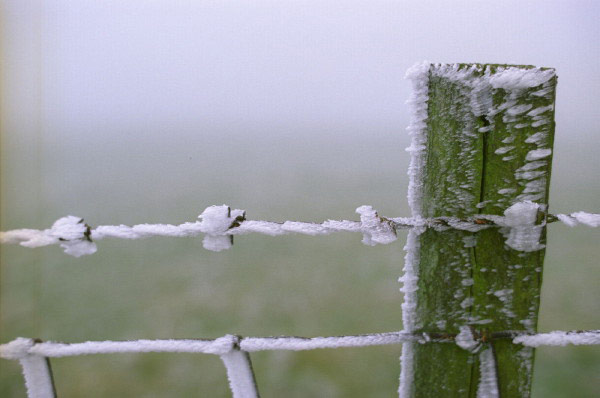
(482,140)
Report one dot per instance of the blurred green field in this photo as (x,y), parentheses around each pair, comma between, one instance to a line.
(294,285)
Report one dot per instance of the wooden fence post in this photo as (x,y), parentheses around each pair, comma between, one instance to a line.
(482,141)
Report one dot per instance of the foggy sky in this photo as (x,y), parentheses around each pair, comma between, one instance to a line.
(282,63)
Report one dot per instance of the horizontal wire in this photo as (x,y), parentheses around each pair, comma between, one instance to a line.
(220,223)
(21,347)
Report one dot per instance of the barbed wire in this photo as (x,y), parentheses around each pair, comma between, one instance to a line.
(220,223)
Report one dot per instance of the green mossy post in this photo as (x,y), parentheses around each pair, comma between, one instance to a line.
(474,164)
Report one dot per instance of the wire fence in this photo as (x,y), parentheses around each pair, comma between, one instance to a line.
(234,351)
(522,225)
(219,224)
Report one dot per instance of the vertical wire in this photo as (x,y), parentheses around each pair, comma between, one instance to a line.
(240,373)
(488,377)
(38,377)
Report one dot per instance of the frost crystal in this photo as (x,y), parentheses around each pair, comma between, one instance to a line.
(536,154)
(523,234)
(375,229)
(16,349)
(69,231)
(216,221)
(466,341)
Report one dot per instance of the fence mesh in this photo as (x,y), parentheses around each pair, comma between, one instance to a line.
(235,351)
(219,224)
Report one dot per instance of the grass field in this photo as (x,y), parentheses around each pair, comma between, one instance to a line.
(173,288)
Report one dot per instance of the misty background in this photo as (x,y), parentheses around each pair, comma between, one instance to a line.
(150,111)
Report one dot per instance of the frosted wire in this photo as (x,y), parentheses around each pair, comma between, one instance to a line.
(225,344)
(217,223)
(38,379)
(16,350)
(251,344)
(50,349)
(69,232)
(580,217)
(234,351)
(559,338)
(240,374)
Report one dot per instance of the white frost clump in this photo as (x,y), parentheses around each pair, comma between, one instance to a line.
(80,248)
(488,385)
(70,232)
(540,110)
(216,221)
(536,154)
(518,109)
(523,234)
(375,229)
(73,230)
(513,78)
(465,340)
(16,349)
